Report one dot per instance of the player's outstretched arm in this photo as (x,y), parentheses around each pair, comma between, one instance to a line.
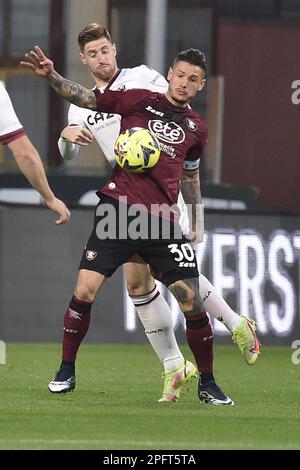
(60,208)
(71,91)
(30,164)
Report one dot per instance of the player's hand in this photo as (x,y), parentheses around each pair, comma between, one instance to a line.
(60,208)
(77,135)
(38,62)
(196,235)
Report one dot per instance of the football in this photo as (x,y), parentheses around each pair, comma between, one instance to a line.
(137,150)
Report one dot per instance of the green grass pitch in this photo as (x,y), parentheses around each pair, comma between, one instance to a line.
(115,403)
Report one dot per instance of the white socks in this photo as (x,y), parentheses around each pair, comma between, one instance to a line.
(216,306)
(156,317)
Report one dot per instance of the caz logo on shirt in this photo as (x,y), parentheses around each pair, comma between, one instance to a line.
(95,118)
(169,132)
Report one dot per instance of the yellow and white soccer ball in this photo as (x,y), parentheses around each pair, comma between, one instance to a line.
(137,150)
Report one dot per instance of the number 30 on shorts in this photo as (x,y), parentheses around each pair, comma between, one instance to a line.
(185,255)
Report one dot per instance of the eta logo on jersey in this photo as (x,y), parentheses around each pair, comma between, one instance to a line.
(169,132)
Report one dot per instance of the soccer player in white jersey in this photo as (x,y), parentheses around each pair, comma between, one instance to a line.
(99,53)
(13,134)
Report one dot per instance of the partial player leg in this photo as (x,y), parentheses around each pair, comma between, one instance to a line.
(76,324)
(174,262)
(101,257)
(154,313)
(242,328)
(216,306)
(200,339)
(156,317)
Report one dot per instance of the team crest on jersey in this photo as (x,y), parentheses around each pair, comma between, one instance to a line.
(192,125)
(91,255)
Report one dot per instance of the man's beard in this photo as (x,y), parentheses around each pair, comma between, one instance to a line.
(183,101)
(104,74)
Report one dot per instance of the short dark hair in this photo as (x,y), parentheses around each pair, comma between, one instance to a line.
(192,56)
(92,32)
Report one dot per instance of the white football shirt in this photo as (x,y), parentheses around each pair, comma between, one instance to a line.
(10,127)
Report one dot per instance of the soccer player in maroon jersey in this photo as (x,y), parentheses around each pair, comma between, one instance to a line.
(13,134)
(182,134)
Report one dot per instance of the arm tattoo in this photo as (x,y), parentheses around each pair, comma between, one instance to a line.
(73,92)
(190,188)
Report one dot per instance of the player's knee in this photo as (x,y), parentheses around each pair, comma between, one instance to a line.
(85,293)
(140,286)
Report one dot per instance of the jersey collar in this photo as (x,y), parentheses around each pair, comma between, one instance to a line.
(113,78)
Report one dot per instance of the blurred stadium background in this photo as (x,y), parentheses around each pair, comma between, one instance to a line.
(250,181)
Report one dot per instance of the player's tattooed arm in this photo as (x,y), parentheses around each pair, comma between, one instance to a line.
(72,91)
(190,188)
(40,64)
(191,192)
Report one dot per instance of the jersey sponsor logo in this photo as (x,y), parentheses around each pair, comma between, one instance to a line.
(182,264)
(94,118)
(169,132)
(91,255)
(168,149)
(154,111)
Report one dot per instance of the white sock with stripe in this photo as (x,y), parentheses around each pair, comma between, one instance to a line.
(216,306)
(156,317)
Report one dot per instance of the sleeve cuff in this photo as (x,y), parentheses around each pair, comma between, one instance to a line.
(191,165)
